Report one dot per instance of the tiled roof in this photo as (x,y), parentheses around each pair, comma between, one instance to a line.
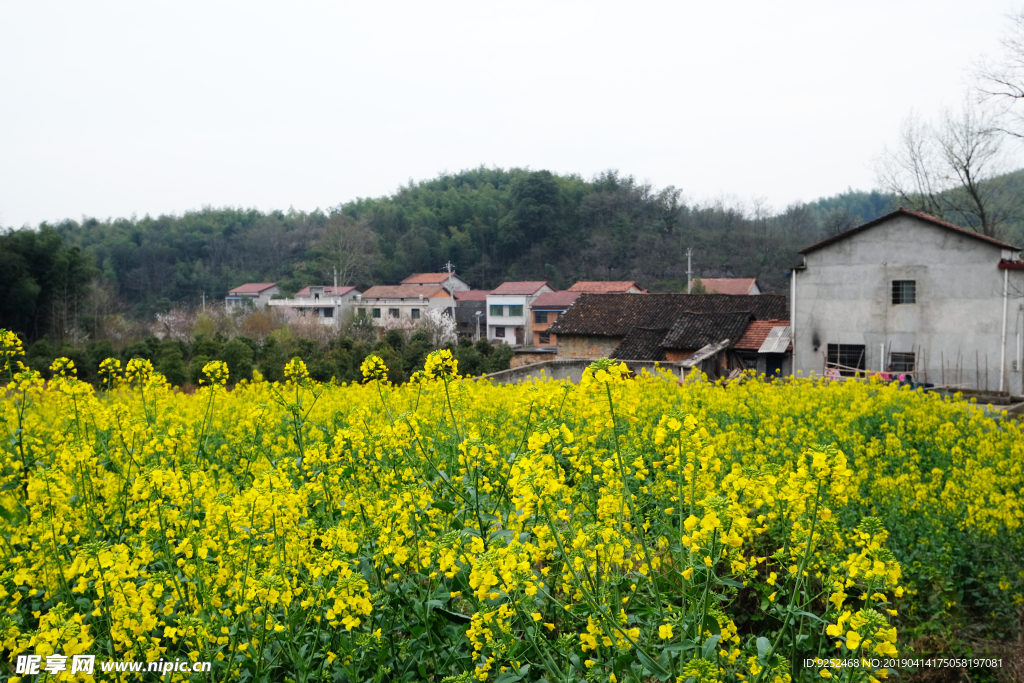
(643,343)
(427,279)
(328,291)
(692,331)
(401,292)
(470,294)
(603,287)
(252,288)
(520,288)
(903,212)
(757,332)
(612,315)
(728,285)
(558,301)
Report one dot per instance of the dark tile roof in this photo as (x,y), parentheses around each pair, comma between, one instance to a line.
(643,343)
(693,331)
(903,212)
(614,315)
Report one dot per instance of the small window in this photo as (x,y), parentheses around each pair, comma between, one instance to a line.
(515,310)
(499,332)
(540,316)
(328,312)
(415,313)
(847,358)
(545,338)
(361,312)
(901,362)
(393,312)
(376,313)
(496,310)
(904,291)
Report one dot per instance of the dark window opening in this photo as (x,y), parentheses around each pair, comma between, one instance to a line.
(328,312)
(904,291)
(499,332)
(901,362)
(393,313)
(540,316)
(847,358)
(376,313)
(545,338)
(415,313)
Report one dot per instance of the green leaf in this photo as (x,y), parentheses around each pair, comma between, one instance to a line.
(680,647)
(652,666)
(444,505)
(709,647)
(454,616)
(728,582)
(764,646)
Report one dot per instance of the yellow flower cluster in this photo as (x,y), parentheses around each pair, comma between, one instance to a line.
(466,530)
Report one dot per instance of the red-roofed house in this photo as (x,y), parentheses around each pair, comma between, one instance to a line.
(450,281)
(620,287)
(729,285)
(402,302)
(766,346)
(256,294)
(545,310)
(328,304)
(508,311)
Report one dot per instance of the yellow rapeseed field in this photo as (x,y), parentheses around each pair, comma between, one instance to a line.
(623,529)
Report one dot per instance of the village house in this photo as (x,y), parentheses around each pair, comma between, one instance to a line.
(766,346)
(728,285)
(664,327)
(406,303)
(471,313)
(545,310)
(910,294)
(450,281)
(251,294)
(594,287)
(330,305)
(508,311)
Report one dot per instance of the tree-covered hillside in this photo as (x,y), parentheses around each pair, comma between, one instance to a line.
(491,224)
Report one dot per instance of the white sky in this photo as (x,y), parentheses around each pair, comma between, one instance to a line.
(113,109)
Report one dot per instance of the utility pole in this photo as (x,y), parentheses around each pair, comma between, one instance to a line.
(204,302)
(689,271)
(449,266)
(335,297)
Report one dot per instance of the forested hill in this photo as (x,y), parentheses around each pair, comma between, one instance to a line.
(492,224)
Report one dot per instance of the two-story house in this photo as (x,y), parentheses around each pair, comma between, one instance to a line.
(545,310)
(326,303)
(910,294)
(251,294)
(402,302)
(508,311)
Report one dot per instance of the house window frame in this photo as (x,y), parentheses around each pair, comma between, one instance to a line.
(544,338)
(414,313)
(540,317)
(376,313)
(496,309)
(328,312)
(499,332)
(904,292)
(836,354)
(902,361)
(394,312)
(515,310)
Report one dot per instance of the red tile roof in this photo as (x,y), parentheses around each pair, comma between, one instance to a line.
(757,332)
(328,291)
(470,295)
(520,288)
(252,288)
(402,292)
(603,287)
(427,279)
(904,212)
(554,300)
(728,285)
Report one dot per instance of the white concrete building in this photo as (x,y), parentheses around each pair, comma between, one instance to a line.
(508,312)
(908,293)
(330,305)
(402,305)
(255,294)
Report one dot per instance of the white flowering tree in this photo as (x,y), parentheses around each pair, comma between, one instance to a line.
(439,326)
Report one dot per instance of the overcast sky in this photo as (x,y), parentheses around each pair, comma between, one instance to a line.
(114,109)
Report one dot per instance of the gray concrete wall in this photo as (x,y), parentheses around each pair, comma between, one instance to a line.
(845,297)
(572,370)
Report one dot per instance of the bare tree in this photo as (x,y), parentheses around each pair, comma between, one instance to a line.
(349,246)
(950,170)
(1000,82)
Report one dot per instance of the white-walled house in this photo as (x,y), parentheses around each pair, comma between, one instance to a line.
(908,293)
(406,303)
(256,294)
(328,304)
(508,311)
